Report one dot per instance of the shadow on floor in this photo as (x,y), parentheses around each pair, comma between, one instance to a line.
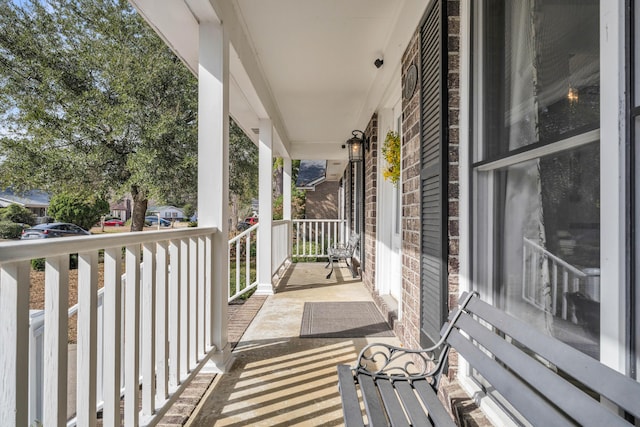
(280,383)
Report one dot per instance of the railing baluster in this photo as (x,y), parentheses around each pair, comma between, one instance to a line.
(184,309)
(565,289)
(87,338)
(100,348)
(247,267)
(237,270)
(132,336)
(193,303)
(162,321)
(554,289)
(55,339)
(148,359)
(112,335)
(201,299)
(525,284)
(209,288)
(14,333)
(36,350)
(174,314)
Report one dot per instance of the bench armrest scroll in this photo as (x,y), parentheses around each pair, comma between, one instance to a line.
(387,361)
(395,363)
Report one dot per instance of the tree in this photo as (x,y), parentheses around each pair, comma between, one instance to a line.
(81,209)
(18,214)
(188,210)
(92,98)
(298,197)
(243,171)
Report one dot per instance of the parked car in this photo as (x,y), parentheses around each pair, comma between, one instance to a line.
(54,229)
(113,222)
(252,220)
(153,220)
(242,225)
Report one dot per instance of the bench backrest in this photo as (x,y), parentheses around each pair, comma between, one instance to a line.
(354,239)
(547,381)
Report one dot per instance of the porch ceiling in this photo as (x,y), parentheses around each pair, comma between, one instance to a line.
(306,64)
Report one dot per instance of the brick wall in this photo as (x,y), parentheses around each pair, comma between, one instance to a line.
(411,218)
(370,192)
(450,392)
(323,202)
(411,203)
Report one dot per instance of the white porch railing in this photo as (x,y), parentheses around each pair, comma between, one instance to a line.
(280,244)
(174,283)
(313,237)
(243,263)
(172,306)
(243,256)
(562,278)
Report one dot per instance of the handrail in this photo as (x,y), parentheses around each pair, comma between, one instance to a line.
(25,250)
(547,289)
(555,258)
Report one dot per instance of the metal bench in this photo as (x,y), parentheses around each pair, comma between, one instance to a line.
(548,382)
(343,252)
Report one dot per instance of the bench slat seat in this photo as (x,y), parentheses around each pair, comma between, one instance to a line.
(544,380)
(349,397)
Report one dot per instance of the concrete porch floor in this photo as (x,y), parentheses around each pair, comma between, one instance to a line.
(279,379)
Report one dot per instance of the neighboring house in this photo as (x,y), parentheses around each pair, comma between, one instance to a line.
(311,173)
(170,213)
(121,209)
(321,200)
(35,200)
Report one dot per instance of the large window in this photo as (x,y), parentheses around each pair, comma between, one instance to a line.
(536,164)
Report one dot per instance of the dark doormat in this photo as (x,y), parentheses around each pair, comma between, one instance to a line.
(343,320)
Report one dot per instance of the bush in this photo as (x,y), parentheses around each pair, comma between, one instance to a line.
(84,210)
(18,214)
(193,223)
(38,264)
(10,230)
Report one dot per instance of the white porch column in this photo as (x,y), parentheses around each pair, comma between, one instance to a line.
(286,201)
(213,178)
(286,189)
(265,196)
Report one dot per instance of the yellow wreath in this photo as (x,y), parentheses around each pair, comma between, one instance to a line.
(391,153)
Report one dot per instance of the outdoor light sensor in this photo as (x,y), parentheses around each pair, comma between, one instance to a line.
(378,62)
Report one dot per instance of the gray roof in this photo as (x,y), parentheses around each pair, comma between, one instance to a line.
(311,173)
(32,198)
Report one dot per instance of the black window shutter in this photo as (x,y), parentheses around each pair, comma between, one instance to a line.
(433,176)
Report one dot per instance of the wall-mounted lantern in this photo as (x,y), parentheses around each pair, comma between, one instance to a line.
(356,145)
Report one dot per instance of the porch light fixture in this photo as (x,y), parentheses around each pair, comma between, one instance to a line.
(357,145)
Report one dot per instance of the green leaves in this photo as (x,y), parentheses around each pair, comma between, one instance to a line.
(92,98)
(84,210)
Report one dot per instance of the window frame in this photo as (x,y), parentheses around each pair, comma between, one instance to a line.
(615,265)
